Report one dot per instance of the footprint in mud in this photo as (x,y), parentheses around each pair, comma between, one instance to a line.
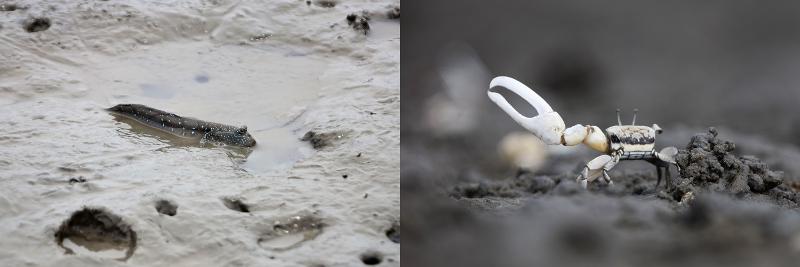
(166,207)
(36,24)
(371,258)
(393,233)
(320,140)
(236,204)
(95,231)
(291,232)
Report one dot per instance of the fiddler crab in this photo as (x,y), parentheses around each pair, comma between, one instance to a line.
(621,142)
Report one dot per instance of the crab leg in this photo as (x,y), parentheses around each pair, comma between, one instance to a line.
(597,167)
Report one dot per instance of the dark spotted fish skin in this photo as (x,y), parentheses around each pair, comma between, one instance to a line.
(186,127)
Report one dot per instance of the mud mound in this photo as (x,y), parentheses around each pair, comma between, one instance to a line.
(708,162)
(97,230)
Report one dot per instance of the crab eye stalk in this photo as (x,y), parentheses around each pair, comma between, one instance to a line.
(619,122)
(657,128)
(634,116)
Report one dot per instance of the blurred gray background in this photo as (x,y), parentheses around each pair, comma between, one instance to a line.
(686,65)
(732,63)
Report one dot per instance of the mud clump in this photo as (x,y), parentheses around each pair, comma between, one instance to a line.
(97,229)
(359,22)
(320,140)
(36,24)
(708,162)
(236,204)
(291,232)
(166,207)
(393,13)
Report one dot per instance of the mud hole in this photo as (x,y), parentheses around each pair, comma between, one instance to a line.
(96,231)
(371,258)
(236,204)
(36,24)
(166,207)
(359,22)
(290,233)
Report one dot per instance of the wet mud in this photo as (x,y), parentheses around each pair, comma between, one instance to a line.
(289,233)
(321,140)
(236,204)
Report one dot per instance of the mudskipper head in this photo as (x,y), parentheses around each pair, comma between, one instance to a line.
(235,137)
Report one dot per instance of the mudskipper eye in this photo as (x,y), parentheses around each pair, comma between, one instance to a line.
(242,130)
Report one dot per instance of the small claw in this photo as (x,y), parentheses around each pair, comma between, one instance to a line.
(547,125)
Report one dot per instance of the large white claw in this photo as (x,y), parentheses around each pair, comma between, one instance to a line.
(547,125)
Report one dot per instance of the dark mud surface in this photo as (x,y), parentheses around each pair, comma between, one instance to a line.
(724,209)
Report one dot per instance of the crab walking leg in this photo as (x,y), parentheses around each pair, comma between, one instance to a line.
(597,167)
(608,167)
(660,173)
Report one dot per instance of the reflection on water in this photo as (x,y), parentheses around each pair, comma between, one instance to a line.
(277,148)
(83,246)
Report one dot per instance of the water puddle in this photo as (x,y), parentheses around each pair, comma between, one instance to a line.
(264,88)
(291,232)
(83,246)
